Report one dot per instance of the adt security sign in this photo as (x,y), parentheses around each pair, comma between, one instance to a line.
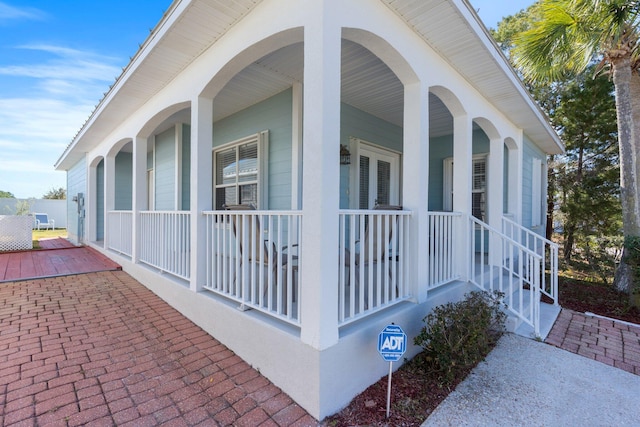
(392,343)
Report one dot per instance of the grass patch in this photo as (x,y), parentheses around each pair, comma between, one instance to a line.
(36,235)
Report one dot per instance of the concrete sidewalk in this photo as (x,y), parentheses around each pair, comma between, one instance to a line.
(525,382)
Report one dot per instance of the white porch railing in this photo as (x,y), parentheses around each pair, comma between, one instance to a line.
(442,258)
(505,265)
(373,261)
(165,241)
(253,258)
(120,229)
(542,246)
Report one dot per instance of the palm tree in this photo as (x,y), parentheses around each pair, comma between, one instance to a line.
(569,36)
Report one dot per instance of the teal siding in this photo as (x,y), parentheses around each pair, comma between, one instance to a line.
(274,115)
(165,166)
(76,183)
(100,201)
(530,152)
(186,167)
(439,149)
(358,124)
(124,181)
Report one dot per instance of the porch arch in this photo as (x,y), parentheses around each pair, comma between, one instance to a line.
(383,50)
(449,99)
(160,117)
(247,56)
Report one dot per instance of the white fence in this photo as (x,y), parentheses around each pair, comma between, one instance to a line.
(55,209)
(15,232)
(165,241)
(120,229)
(253,257)
(373,261)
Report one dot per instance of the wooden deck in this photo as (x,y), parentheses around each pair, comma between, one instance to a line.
(57,257)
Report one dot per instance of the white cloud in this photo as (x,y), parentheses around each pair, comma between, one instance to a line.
(67,69)
(55,98)
(45,120)
(10,13)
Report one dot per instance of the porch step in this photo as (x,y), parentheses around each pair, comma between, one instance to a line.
(490,280)
(548,315)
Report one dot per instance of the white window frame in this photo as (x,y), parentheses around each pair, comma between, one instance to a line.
(447,184)
(262,141)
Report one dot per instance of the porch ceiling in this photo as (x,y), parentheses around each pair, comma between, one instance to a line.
(190,27)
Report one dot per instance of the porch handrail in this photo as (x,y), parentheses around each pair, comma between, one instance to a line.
(373,261)
(120,231)
(254,258)
(543,246)
(165,241)
(510,268)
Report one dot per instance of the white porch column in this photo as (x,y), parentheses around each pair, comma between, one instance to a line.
(109,193)
(462,168)
(415,180)
(139,198)
(495,194)
(320,175)
(201,175)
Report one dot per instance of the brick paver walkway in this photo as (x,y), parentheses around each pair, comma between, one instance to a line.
(101,349)
(614,343)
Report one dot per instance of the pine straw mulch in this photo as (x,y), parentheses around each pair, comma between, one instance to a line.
(416,392)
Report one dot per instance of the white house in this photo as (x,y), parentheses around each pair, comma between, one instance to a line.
(313,112)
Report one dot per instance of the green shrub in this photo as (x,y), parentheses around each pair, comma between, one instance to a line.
(457,336)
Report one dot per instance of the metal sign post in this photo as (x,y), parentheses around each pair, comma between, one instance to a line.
(392,343)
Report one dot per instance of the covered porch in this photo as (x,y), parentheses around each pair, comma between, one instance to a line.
(298,182)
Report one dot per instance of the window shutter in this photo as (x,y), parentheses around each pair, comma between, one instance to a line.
(364,183)
(384,182)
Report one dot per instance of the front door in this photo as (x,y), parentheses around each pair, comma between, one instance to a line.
(378,177)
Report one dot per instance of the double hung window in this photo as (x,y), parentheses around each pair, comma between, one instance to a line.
(239,172)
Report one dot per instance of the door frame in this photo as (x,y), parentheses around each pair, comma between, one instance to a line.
(359,146)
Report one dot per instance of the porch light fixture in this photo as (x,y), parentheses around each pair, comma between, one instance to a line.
(345,155)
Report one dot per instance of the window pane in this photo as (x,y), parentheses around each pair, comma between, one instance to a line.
(477,205)
(479,174)
(248,164)
(226,167)
(225,196)
(249,194)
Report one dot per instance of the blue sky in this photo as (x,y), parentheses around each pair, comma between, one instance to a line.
(57,58)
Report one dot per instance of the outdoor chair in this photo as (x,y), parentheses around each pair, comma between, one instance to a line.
(43,220)
(256,250)
(374,248)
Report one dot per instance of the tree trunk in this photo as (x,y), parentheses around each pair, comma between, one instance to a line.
(628,190)
(634,87)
